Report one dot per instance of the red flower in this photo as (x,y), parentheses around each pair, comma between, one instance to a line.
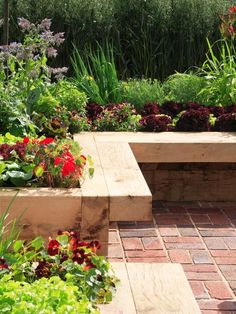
(68,167)
(57,161)
(231,29)
(94,246)
(3,264)
(233,9)
(53,247)
(46,141)
(26,140)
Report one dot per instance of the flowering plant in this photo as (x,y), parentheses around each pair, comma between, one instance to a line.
(228,24)
(67,257)
(41,162)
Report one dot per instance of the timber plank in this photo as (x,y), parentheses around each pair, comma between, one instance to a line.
(161,288)
(95,198)
(122,302)
(130,197)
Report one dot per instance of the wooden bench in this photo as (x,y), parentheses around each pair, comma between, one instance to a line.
(151,288)
(117,173)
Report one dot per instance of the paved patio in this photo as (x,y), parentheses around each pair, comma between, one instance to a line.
(200,236)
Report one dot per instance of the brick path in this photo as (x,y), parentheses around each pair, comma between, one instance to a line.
(200,236)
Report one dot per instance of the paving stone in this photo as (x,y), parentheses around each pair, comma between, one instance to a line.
(139,233)
(172,219)
(151,243)
(177,209)
(229,271)
(168,231)
(218,290)
(132,244)
(180,256)
(225,260)
(185,246)
(217,305)
(203,276)
(201,257)
(232,285)
(158,259)
(200,219)
(230,242)
(200,268)
(202,210)
(113,237)
(182,240)
(215,243)
(149,253)
(208,231)
(115,251)
(223,253)
(187,231)
(199,290)
(219,218)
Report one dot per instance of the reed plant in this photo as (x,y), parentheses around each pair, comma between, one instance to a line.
(96,75)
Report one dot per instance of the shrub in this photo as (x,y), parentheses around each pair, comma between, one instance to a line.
(226,123)
(141,92)
(156,123)
(117,117)
(70,97)
(193,120)
(182,87)
(171,108)
(43,296)
(150,108)
(41,162)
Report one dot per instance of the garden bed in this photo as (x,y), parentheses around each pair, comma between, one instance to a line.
(49,210)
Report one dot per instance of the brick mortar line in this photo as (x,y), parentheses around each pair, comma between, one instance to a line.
(159,237)
(218,269)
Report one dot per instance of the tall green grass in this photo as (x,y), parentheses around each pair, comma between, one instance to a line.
(9,229)
(152,38)
(96,75)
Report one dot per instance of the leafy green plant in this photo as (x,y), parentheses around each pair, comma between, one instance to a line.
(70,97)
(74,261)
(43,296)
(140,92)
(219,74)
(183,87)
(9,230)
(96,75)
(41,162)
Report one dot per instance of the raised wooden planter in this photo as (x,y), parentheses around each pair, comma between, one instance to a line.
(118,190)
(50,210)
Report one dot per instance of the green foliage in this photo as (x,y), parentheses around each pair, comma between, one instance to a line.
(96,75)
(182,87)
(152,38)
(9,231)
(219,74)
(71,97)
(42,296)
(141,92)
(117,117)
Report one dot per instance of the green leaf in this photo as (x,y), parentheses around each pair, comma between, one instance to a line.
(37,243)
(39,171)
(63,239)
(2,167)
(17,245)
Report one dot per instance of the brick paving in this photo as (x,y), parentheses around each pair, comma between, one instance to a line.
(200,236)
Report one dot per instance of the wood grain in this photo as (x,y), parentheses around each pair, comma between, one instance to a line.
(123,301)
(161,289)
(130,197)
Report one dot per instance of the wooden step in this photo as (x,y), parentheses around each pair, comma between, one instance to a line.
(151,288)
(130,197)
